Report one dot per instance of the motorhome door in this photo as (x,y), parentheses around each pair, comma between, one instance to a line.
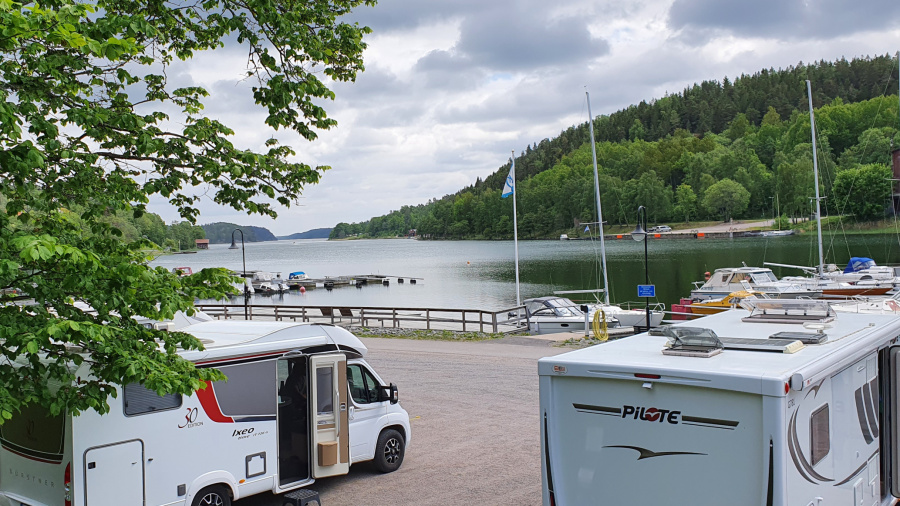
(329,424)
(892,396)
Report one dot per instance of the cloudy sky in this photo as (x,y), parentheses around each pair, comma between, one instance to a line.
(452,86)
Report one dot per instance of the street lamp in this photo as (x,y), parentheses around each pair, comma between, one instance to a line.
(640,234)
(244,273)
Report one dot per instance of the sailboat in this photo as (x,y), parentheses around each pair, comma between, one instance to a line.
(626,317)
(829,286)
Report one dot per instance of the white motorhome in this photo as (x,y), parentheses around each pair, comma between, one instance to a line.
(751,410)
(300,403)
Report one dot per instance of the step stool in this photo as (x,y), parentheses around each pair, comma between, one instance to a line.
(302,497)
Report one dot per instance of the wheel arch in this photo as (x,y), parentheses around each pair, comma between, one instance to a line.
(223,478)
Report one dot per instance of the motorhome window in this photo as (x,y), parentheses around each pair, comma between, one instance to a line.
(35,432)
(249,391)
(324,390)
(363,385)
(819,434)
(140,400)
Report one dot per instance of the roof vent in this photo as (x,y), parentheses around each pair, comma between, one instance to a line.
(797,311)
(691,342)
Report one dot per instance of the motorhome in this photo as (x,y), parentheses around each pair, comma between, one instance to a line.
(300,403)
(787,405)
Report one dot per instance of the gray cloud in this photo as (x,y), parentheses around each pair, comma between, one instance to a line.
(699,20)
(524,38)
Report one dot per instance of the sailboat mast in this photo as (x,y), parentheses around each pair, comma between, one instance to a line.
(812,125)
(597,196)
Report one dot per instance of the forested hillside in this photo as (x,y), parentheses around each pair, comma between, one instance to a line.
(715,151)
(220,232)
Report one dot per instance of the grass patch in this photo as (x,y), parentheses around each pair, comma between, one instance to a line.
(425,335)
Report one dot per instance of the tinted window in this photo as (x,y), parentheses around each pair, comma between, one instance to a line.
(35,432)
(819,434)
(140,400)
(325,390)
(250,389)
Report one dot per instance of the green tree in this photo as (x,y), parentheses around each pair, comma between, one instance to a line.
(86,133)
(685,201)
(727,198)
(864,192)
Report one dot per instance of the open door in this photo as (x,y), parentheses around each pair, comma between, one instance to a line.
(293,420)
(329,423)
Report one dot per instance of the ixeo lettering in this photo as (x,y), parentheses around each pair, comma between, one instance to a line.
(651,414)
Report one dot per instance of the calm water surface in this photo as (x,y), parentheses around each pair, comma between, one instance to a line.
(481,274)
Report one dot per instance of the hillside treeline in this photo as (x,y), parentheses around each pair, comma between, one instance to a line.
(220,232)
(684,161)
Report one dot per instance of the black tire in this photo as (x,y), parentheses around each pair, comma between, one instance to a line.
(389,451)
(213,495)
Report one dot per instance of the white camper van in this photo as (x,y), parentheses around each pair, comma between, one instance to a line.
(300,403)
(787,406)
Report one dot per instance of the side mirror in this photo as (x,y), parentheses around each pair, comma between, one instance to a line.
(388,393)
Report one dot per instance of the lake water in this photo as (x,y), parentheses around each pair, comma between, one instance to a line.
(481,274)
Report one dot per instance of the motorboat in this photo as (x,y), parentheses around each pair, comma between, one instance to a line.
(551,315)
(267,282)
(870,305)
(299,275)
(728,280)
(628,317)
(730,301)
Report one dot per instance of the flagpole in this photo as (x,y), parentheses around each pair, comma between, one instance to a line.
(515,227)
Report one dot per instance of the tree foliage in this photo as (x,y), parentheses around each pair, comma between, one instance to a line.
(727,198)
(91,127)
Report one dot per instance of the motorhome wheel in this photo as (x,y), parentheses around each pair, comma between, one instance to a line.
(389,452)
(215,495)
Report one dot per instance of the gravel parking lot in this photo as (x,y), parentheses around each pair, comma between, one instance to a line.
(475,431)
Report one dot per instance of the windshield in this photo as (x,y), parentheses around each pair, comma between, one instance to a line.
(764,277)
(564,307)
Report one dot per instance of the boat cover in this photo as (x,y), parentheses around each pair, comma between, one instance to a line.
(298,274)
(858,264)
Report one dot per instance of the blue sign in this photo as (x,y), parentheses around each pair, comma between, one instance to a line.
(646,290)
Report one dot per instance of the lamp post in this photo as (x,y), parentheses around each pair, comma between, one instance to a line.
(244,272)
(640,234)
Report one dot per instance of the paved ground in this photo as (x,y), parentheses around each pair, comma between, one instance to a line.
(475,430)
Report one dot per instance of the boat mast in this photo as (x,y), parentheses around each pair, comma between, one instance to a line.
(812,125)
(597,195)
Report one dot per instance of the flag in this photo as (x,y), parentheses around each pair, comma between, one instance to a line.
(587,228)
(510,185)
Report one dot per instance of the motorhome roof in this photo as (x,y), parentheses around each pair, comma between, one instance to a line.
(850,335)
(235,338)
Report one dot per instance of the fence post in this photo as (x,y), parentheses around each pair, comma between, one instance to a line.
(481,321)
(303,314)
(494,321)
(332,315)
(464,320)
(362,317)
(276,313)
(251,311)
(427,319)
(394,316)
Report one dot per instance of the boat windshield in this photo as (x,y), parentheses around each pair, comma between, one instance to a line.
(564,307)
(764,277)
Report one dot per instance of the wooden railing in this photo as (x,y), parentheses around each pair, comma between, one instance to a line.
(396,317)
